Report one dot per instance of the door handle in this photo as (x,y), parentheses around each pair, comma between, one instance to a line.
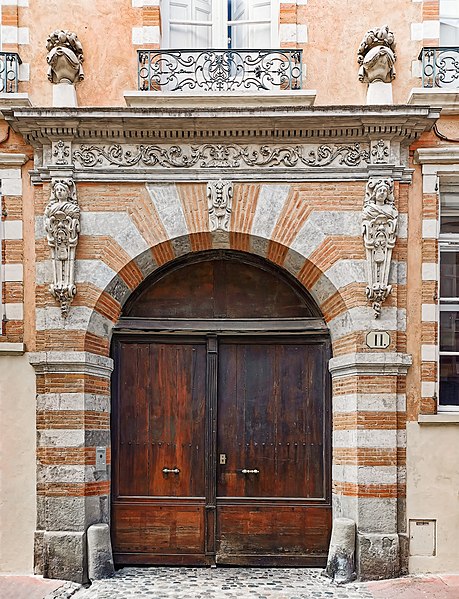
(247,471)
(171,471)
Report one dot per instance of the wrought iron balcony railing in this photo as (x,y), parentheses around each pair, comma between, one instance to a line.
(9,72)
(219,70)
(440,67)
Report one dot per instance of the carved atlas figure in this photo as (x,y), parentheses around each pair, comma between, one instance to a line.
(379,229)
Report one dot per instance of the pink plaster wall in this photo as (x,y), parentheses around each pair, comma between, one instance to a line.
(335,30)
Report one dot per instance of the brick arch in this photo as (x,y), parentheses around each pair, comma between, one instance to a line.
(323,290)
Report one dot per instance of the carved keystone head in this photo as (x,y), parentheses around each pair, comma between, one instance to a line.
(65,57)
(376,55)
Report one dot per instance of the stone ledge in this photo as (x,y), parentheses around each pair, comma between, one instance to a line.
(201,99)
(439,418)
(370,363)
(12,349)
(8,159)
(446,99)
(14,100)
(71,362)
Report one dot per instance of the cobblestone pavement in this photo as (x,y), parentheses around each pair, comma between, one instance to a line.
(220,583)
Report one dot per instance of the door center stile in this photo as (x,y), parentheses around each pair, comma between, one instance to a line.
(211,444)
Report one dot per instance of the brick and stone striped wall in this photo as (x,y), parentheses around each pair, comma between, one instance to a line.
(313,230)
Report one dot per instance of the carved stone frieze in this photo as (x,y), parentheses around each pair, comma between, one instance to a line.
(376,56)
(219,196)
(380,152)
(61,152)
(62,227)
(379,229)
(65,57)
(222,155)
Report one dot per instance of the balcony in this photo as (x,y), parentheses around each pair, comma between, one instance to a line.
(440,79)
(9,72)
(253,76)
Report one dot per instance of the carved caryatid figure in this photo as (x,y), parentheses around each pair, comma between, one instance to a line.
(379,228)
(62,226)
(377,57)
(65,57)
(219,196)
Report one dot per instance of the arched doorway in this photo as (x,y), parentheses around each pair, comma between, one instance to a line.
(221,418)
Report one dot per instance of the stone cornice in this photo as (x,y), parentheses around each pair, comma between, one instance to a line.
(71,362)
(9,159)
(41,126)
(370,363)
(438,155)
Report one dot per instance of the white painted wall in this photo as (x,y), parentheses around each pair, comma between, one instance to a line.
(433,490)
(17,464)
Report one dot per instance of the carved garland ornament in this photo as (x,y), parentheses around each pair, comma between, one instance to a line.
(62,226)
(379,228)
(220,156)
(219,196)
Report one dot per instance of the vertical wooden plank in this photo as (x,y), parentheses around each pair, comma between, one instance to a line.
(211,443)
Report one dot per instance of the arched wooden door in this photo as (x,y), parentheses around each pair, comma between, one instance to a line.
(221,419)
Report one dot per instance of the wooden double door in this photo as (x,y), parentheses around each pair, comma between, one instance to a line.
(221,450)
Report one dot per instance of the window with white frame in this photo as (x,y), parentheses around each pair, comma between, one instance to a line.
(449,297)
(449,23)
(238,24)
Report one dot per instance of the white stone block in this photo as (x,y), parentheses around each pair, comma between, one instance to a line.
(302,34)
(10,173)
(429,228)
(367,475)
(271,200)
(24,72)
(14,2)
(417,31)
(379,93)
(14,311)
(117,225)
(429,312)
(12,187)
(142,3)
(429,183)
(64,95)
(429,353)
(61,438)
(23,36)
(416,68)
(431,30)
(364,438)
(428,388)
(145,35)
(429,271)
(13,272)
(166,200)
(287,32)
(13,229)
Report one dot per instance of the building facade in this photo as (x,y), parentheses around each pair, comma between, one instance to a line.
(229,246)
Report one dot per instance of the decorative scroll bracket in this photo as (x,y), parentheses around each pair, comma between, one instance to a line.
(220,197)
(379,229)
(62,227)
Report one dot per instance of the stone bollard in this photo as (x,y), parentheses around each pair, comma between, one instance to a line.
(100,557)
(341,554)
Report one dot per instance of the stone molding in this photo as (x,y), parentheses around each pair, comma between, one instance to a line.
(8,160)
(441,155)
(71,362)
(379,229)
(370,363)
(448,99)
(12,349)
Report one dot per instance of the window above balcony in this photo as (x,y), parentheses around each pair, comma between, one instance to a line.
(221,52)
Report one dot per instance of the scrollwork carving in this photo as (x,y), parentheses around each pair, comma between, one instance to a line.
(379,229)
(221,156)
(219,196)
(62,227)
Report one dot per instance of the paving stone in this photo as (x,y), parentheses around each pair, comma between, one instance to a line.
(220,583)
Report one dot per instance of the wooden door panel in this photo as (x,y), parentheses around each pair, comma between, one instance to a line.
(273,530)
(271,419)
(165,529)
(160,423)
